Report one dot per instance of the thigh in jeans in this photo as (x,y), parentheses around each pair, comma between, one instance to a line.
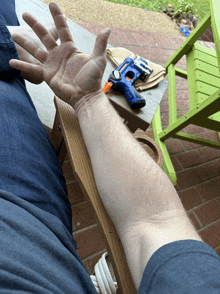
(29,167)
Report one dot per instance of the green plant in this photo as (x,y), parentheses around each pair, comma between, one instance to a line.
(145,4)
(198,8)
(184,9)
(152,5)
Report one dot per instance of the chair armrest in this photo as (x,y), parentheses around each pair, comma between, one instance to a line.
(82,169)
(190,41)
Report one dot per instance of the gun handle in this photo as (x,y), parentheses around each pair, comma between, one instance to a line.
(134,98)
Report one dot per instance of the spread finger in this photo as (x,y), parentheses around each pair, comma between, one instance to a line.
(30,47)
(26,67)
(43,34)
(60,22)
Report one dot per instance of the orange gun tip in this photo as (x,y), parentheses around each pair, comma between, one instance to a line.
(107,86)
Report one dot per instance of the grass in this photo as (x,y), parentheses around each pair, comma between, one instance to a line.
(201,7)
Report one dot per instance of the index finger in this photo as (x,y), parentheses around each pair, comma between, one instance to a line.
(60,22)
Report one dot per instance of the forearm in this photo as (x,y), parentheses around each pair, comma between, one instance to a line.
(135,191)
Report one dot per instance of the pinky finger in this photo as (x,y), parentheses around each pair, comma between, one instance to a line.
(26,67)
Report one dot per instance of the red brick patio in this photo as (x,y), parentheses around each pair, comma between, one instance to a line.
(197,167)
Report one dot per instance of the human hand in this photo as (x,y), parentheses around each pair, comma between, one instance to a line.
(30,35)
(70,73)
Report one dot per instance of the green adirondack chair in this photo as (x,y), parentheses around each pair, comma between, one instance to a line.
(203,75)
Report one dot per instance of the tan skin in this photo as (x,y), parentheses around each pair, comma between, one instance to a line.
(29,34)
(63,67)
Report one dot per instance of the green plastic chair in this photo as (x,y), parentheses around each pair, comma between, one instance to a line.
(203,75)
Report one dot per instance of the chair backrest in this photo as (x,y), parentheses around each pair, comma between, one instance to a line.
(215,21)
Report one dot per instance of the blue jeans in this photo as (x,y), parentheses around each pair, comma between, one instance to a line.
(29,167)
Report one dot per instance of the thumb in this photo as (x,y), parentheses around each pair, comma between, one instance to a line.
(101,43)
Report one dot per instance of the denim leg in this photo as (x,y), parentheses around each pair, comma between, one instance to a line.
(7,12)
(29,167)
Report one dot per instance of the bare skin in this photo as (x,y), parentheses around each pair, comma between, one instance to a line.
(29,34)
(70,73)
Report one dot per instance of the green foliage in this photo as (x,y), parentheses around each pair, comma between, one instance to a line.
(182,7)
(145,4)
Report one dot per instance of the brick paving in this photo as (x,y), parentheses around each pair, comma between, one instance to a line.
(197,167)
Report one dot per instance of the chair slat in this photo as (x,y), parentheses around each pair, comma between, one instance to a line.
(196,140)
(190,61)
(207,79)
(208,57)
(201,97)
(215,117)
(215,21)
(205,49)
(172,94)
(205,67)
(203,73)
(205,88)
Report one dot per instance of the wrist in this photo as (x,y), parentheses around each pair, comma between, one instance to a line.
(87,100)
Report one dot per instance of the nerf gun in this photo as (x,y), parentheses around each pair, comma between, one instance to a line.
(123,77)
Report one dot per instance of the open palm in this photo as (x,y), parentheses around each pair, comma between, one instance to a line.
(71,74)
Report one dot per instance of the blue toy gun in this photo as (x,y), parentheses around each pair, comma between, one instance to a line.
(123,77)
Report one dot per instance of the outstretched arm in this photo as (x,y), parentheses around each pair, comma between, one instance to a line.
(137,194)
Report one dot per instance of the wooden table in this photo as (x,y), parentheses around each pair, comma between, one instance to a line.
(42,95)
